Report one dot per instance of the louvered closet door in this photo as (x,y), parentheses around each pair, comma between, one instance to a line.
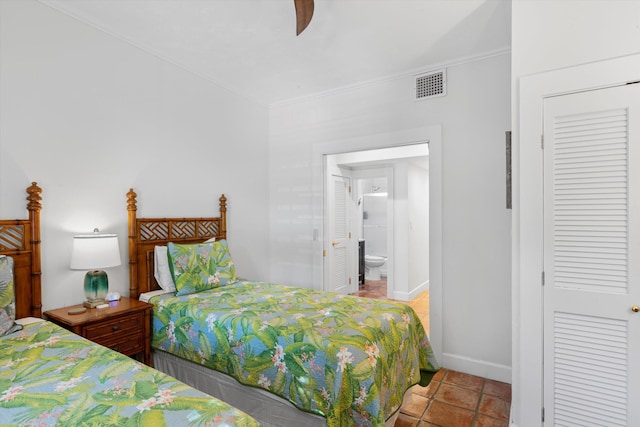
(338,251)
(592,258)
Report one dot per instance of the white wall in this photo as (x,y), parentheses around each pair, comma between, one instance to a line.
(476,226)
(575,32)
(418,226)
(88,116)
(375,225)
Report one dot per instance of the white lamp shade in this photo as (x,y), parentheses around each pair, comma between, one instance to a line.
(95,251)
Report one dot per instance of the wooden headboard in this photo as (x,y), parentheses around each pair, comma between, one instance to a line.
(147,233)
(20,239)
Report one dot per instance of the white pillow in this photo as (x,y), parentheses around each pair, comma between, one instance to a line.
(161,267)
(146,296)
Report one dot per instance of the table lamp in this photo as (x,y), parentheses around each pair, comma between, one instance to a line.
(93,252)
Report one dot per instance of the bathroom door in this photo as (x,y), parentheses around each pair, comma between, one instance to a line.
(338,247)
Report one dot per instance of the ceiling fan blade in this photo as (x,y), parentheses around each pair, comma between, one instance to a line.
(304,13)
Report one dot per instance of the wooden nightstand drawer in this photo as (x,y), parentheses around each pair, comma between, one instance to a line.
(125,344)
(124,326)
(112,329)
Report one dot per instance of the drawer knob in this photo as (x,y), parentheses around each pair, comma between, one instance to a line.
(115,328)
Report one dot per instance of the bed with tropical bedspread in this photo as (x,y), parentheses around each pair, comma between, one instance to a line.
(345,358)
(288,356)
(49,376)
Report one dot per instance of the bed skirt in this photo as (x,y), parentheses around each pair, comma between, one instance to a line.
(269,409)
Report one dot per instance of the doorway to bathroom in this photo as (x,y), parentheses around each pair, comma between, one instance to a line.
(377,216)
(373,227)
(359,148)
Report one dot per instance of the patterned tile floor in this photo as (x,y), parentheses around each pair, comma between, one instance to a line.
(452,399)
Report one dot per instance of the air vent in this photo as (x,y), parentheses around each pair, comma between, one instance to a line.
(431,85)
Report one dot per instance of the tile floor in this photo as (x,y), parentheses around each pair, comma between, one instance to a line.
(452,399)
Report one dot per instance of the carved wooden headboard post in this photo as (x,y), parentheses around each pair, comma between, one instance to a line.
(223,217)
(34,206)
(133,229)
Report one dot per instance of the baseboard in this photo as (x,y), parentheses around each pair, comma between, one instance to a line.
(512,422)
(481,368)
(408,296)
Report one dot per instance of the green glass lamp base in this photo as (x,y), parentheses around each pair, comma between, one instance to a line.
(96,286)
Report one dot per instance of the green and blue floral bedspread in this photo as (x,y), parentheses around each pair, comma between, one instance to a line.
(49,376)
(346,358)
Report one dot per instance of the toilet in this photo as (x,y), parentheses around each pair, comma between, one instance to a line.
(372,265)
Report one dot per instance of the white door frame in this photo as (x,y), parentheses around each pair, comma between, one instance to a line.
(527,246)
(426,134)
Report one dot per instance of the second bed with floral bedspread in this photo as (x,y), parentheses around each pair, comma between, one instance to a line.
(50,376)
(346,358)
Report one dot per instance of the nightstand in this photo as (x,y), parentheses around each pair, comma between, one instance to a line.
(124,326)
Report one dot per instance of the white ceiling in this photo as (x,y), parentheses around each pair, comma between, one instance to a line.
(251,48)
